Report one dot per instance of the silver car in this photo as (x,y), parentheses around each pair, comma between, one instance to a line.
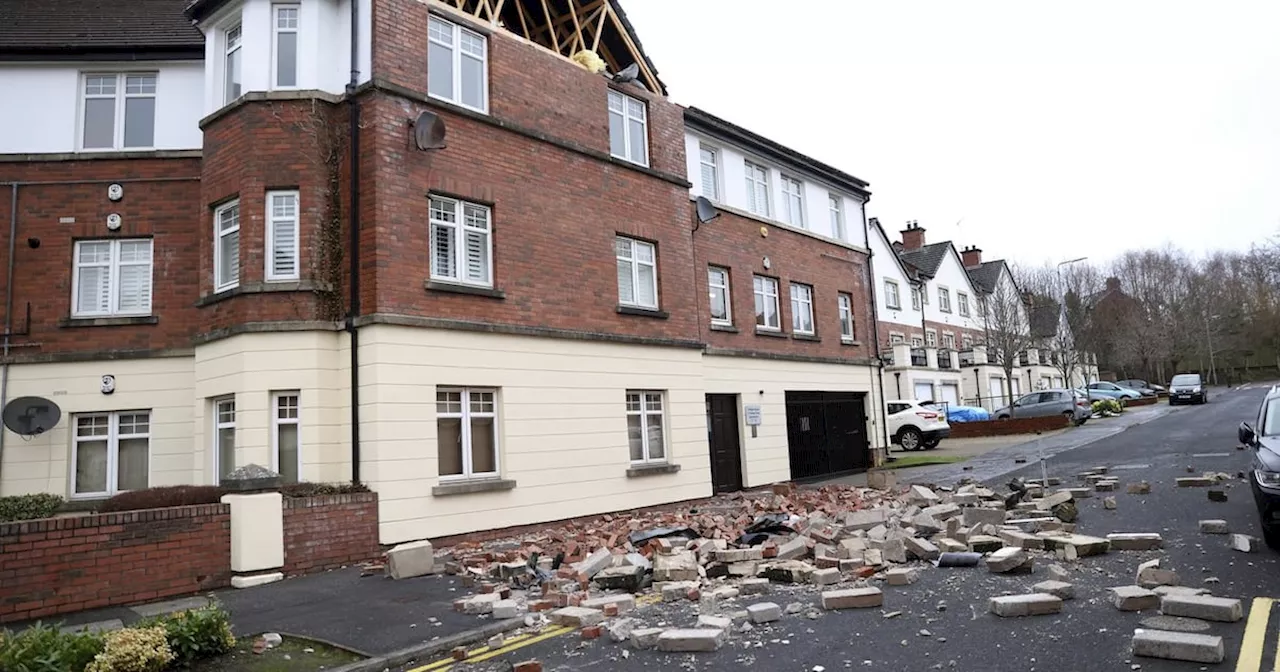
(1067,403)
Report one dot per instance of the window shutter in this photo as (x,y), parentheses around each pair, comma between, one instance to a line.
(284,238)
(708,180)
(477,252)
(135,288)
(94,293)
(626,287)
(443,239)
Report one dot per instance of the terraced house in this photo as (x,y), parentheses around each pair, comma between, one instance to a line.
(505,310)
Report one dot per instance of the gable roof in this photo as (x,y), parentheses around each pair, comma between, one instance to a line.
(928,258)
(986,276)
(97,30)
(909,272)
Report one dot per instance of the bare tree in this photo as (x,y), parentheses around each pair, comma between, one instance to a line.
(1008,332)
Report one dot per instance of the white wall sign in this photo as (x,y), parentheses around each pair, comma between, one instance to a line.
(753,415)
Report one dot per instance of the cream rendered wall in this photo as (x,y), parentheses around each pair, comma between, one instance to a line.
(562,429)
(162,385)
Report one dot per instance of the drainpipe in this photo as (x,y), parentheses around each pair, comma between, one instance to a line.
(875,330)
(8,307)
(353,248)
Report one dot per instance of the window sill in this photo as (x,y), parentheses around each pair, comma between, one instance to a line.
(655,469)
(845,341)
(643,312)
(807,337)
(73,322)
(727,328)
(770,333)
(470,290)
(259,288)
(469,487)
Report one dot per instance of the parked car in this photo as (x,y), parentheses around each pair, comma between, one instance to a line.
(1141,386)
(1074,407)
(1187,387)
(914,425)
(1117,389)
(1264,438)
(1099,395)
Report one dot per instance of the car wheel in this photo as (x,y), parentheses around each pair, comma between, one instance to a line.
(930,445)
(909,439)
(1271,535)
(1002,417)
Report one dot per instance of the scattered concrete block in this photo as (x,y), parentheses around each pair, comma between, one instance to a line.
(691,640)
(981,543)
(894,550)
(1214,527)
(625,577)
(1164,591)
(1203,607)
(853,598)
(964,499)
(1140,488)
(677,566)
(951,546)
(748,568)
(921,549)
(902,576)
(1216,495)
(1186,646)
(1109,503)
(851,565)
(716,622)
(505,609)
(866,519)
(1006,559)
(1031,604)
(1083,545)
(577,616)
(1133,598)
(764,612)
(753,586)
(1079,493)
(793,550)
(480,604)
(1048,502)
(595,563)
(676,590)
(1245,543)
(731,555)
(1135,541)
(1059,589)
(1059,573)
(1195,482)
(645,638)
(416,558)
(851,547)
(624,603)
(942,512)
(922,496)
(790,571)
(825,577)
(1021,539)
(926,525)
(982,516)
(1151,575)
(1105,486)
(873,557)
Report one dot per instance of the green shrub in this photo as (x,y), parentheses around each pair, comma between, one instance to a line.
(305,489)
(45,648)
(133,650)
(28,507)
(1107,407)
(163,497)
(196,633)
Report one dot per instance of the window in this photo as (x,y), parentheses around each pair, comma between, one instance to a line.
(645,426)
(793,201)
(224,438)
(467,432)
(891,297)
(637,273)
(231,66)
(916,341)
(801,308)
(111,453)
(846,317)
(284,46)
(718,286)
(282,235)
(949,341)
(461,242)
(944,299)
(767,312)
(966,340)
(894,339)
(931,338)
(836,205)
(119,111)
(963,300)
(757,189)
(915,298)
(286,456)
(111,277)
(457,64)
(226,246)
(628,132)
(709,161)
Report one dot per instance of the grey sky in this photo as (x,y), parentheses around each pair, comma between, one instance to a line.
(1053,130)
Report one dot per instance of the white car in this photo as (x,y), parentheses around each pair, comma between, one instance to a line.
(914,426)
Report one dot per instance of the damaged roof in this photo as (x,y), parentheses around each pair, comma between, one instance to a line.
(97,29)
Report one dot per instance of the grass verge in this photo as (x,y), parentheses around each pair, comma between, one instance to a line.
(293,655)
(908,461)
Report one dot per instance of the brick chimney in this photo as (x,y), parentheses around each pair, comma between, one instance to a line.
(972,256)
(912,236)
(1113,284)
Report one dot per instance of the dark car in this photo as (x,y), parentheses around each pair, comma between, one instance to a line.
(1147,389)
(1264,479)
(1187,387)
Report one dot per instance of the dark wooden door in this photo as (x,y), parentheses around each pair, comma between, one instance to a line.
(722,435)
(826,433)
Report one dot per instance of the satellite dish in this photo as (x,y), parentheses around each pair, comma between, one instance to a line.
(627,74)
(30,416)
(428,131)
(706,210)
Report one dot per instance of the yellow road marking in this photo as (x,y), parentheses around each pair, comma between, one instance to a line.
(483,653)
(1255,635)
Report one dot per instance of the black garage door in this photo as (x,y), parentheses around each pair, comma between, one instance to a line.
(826,433)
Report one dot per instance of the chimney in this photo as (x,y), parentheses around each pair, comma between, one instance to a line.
(912,236)
(1113,284)
(972,256)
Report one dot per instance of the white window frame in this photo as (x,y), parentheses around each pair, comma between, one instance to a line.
(276,30)
(844,301)
(835,204)
(930,338)
(944,300)
(120,97)
(628,142)
(915,298)
(727,320)
(644,414)
(229,49)
(767,288)
(948,340)
(465,416)
(113,438)
(892,299)
(917,341)
(713,192)
(218,426)
(224,284)
(277,422)
(966,341)
(113,281)
(461,227)
(963,300)
(634,262)
(793,202)
(802,304)
(455,50)
(756,186)
(271,274)
(896,337)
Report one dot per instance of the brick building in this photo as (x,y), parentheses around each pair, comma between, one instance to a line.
(516,321)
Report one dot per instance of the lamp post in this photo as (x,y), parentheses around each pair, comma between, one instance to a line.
(1208,337)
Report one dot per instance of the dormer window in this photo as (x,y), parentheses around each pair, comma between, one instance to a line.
(457,64)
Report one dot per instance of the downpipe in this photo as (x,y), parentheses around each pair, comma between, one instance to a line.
(8,308)
(881,412)
(353,247)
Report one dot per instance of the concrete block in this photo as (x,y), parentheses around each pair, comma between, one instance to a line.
(1195,482)
(753,586)
(1203,607)
(1214,527)
(1109,503)
(951,546)
(691,640)
(981,516)
(1150,577)
(942,512)
(678,566)
(894,550)
(505,609)
(1105,486)
(254,580)
(625,577)
(1245,543)
(853,598)
(1007,559)
(926,525)
(1186,646)
(1032,604)
(1021,539)
(920,549)
(1216,495)
(1047,502)
(982,543)
(866,519)
(482,603)
(825,577)
(620,629)
(793,550)
(257,531)
(645,638)
(873,557)
(1140,488)
(715,622)
(624,603)
(731,555)
(1164,591)
(922,496)
(902,576)
(1059,589)
(764,612)
(596,562)
(748,568)
(1135,541)
(1083,545)
(851,547)
(1059,573)
(1133,598)
(577,617)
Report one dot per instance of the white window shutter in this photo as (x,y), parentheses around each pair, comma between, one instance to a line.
(646,289)
(626,287)
(285,255)
(93,295)
(708,180)
(444,244)
(477,253)
(135,289)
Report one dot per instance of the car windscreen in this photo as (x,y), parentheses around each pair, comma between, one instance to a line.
(1186,379)
(1271,418)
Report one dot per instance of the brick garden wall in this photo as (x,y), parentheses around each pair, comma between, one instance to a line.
(1145,401)
(328,532)
(965,430)
(63,565)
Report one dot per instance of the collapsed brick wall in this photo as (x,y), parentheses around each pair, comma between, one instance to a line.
(328,532)
(966,430)
(63,565)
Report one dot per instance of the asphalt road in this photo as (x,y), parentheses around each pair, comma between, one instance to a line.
(950,605)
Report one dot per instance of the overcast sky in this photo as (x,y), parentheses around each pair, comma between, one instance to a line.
(1047,130)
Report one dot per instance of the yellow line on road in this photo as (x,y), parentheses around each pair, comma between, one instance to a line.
(1255,636)
(484,653)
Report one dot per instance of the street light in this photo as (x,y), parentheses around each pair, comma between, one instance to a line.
(1208,337)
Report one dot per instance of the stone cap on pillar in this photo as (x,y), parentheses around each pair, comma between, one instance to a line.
(251,478)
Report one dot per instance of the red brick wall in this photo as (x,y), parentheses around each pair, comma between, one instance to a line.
(64,565)
(964,430)
(328,532)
